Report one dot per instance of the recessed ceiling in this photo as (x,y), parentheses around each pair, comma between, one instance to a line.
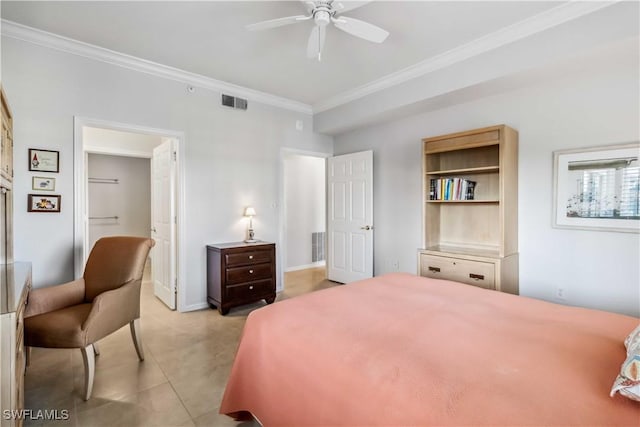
(210,39)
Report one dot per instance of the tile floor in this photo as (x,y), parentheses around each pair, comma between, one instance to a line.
(188,357)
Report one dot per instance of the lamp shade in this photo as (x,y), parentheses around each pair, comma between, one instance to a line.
(249,211)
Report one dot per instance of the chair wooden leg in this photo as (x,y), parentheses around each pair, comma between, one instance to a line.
(88,357)
(136,336)
(96,350)
(27,355)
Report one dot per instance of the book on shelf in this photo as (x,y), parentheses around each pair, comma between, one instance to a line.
(451,189)
(470,193)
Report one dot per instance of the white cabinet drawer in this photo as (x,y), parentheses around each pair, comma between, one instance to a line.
(477,273)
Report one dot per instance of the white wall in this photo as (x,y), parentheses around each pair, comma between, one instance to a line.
(592,101)
(305,209)
(231,157)
(129,199)
(108,141)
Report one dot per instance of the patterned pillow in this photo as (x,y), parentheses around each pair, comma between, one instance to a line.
(628,382)
(633,340)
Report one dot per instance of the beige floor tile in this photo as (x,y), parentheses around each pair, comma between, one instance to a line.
(202,393)
(58,419)
(157,406)
(197,360)
(121,380)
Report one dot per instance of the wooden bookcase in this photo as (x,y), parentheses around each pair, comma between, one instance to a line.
(474,240)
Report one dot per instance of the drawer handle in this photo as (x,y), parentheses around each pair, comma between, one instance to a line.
(476,276)
(250,256)
(250,287)
(250,271)
(434,269)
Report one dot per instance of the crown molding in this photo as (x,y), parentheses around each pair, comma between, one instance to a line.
(548,19)
(65,44)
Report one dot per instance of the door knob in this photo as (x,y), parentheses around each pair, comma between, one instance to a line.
(366,227)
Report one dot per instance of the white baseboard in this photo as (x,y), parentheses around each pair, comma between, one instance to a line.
(305,266)
(194,307)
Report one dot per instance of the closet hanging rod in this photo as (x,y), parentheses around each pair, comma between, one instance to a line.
(105,217)
(104,180)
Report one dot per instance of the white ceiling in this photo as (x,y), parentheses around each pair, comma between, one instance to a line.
(209,38)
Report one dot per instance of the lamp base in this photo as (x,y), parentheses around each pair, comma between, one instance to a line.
(250,238)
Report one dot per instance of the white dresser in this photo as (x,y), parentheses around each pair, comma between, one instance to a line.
(15,283)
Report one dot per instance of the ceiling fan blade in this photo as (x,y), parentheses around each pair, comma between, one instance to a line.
(361,29)
(273,23)
(316,41)
(346,6)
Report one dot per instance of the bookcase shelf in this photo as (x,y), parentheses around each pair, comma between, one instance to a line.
(465,250)
(465,171)
(467,239)
(464,201)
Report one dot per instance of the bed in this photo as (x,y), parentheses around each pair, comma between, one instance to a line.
(406,350)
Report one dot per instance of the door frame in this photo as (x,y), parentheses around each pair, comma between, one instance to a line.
(285,151)
(80,200)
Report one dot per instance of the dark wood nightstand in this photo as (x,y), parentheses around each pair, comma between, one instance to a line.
(240,273)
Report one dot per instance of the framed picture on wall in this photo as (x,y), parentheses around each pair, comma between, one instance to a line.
(44,203)
(41,183)
(598,188)
(44,160)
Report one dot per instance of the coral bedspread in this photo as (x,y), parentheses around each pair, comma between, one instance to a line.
(406,350)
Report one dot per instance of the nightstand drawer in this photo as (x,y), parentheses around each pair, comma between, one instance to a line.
(245,258)
(249,291)
(475,273)
(248,273)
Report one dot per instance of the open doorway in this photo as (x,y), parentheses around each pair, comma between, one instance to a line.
(119,188)
(117,193)
(304,213)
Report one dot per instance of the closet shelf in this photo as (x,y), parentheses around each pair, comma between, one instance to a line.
(104,181)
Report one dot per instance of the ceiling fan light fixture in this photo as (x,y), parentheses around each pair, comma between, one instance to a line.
(323,13)
(322,18)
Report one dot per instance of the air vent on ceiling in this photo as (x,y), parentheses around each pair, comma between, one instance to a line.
(234,102)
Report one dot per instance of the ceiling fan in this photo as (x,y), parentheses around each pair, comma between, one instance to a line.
(323,13)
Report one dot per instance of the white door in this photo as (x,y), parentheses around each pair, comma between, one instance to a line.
(163,221)
(350,217)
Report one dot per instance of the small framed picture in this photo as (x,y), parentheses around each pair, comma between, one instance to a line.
(44,203)
(44,160)
(41,183)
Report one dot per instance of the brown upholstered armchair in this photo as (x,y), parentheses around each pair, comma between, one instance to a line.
(79,313)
